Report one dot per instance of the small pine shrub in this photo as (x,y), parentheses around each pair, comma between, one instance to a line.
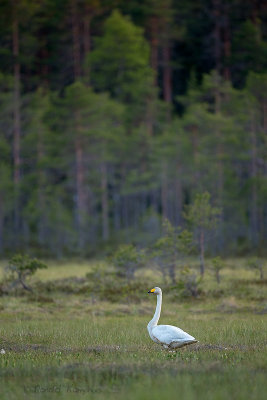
(20,268)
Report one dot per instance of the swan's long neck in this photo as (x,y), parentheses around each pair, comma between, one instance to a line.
(155,319)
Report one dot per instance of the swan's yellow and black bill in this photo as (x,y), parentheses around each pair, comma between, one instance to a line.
(151,291)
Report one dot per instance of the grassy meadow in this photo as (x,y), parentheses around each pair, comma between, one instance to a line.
(61,342)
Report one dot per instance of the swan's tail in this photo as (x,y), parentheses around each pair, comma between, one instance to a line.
(177,345)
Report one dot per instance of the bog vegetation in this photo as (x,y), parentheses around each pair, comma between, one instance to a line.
(81,335)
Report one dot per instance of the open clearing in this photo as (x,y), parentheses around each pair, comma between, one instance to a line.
(71,346)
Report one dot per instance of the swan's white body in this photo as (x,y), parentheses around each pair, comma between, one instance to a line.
(168,336)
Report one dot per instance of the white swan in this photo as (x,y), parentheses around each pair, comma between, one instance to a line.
(170,337)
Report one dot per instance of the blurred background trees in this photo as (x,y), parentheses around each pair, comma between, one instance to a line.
(115,115)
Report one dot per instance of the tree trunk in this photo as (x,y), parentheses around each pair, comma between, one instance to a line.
(178,203)
(256,11)
(23,284)
(76,40)
(218,277)
(154,43)
(80,173)
(40,149)
(219,159)
(167,85)
(263,219)
(167,79)
(117,210)
(217,35)
(17,118)
(195,144)
(226,44)
(172,273)
(44,68)
(87,40)
(125,213)
(265,115)
(202,252)
(164,192)
(261,273)
(41,185)
(104,202)
(1,224)
(254,195)
(149,119)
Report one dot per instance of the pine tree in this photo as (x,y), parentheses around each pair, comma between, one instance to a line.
(202,216)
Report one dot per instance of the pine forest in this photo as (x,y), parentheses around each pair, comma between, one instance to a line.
(119,117)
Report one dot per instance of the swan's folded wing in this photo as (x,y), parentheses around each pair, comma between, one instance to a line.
(168,334)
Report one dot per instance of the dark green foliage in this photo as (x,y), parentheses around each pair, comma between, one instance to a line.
(249,51)
(159,112)
(127,259)
(120,60)
(169,251)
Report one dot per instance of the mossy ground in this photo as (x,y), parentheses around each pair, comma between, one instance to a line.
(72,346)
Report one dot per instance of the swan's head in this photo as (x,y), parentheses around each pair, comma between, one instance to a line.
(155,290)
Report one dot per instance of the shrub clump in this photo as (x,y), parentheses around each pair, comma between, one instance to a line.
(217,264)
(20,268)
(127,259)
(256,263)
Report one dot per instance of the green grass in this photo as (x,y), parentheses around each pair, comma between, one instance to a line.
(113,356)
(58,269)
(73,347)
(106,354)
